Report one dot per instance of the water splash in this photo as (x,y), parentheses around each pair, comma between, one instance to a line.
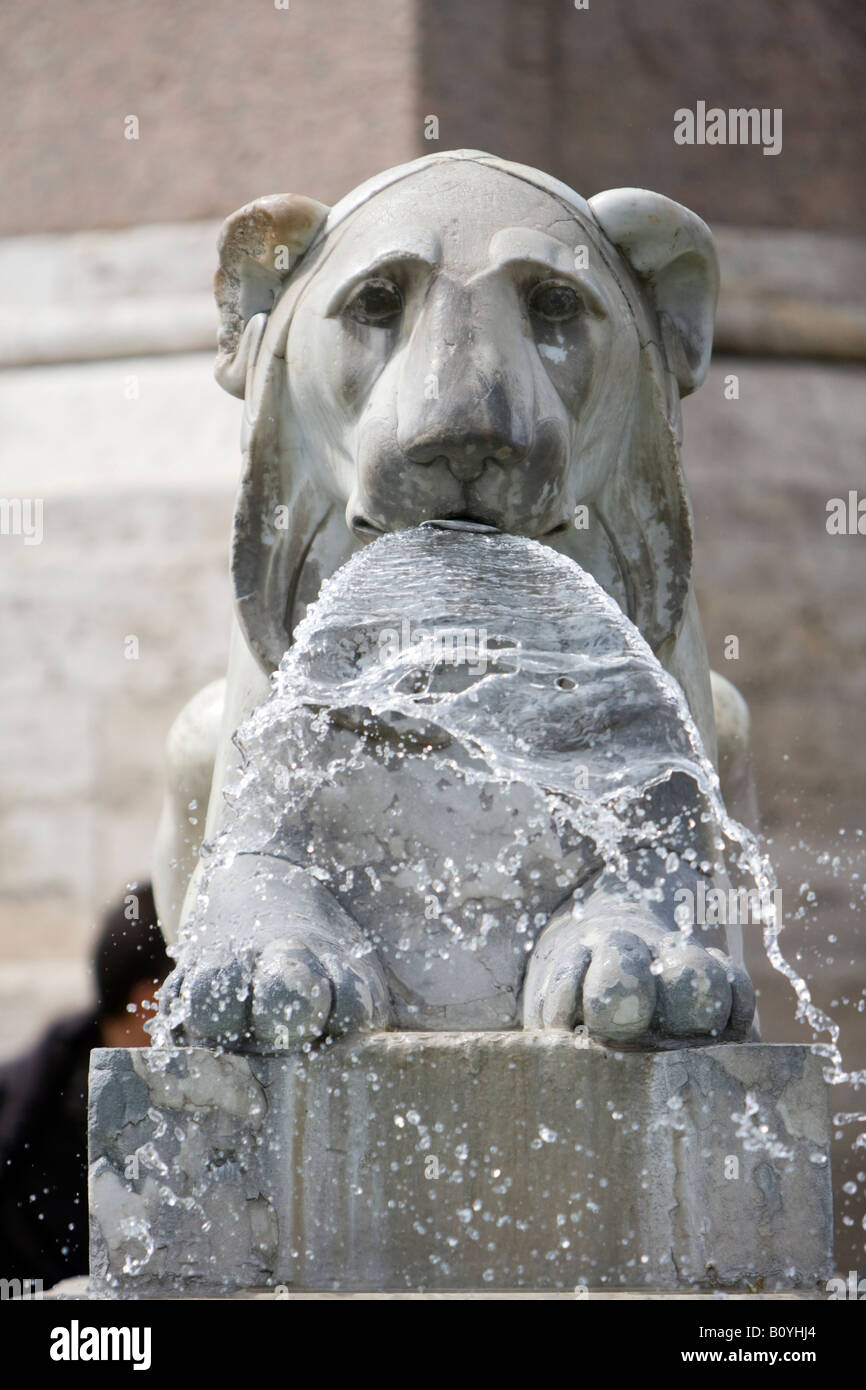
(487,661)
(136,1231)
(755,1133)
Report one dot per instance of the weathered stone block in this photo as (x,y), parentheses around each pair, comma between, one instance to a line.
(466,1160)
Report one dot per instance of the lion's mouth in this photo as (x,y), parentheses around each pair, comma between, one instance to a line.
(458,521)
(362,527)
(463,522)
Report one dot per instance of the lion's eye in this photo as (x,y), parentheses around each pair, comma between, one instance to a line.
(376,302)
(554,301)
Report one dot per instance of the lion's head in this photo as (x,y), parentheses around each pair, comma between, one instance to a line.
(464,338)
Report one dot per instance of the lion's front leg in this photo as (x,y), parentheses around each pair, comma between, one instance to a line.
(270,961)
(618,964)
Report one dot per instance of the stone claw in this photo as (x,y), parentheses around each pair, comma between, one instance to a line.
(292,997)
(272,1000)
(629,981)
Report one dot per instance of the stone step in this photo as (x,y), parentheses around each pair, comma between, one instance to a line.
(446,1161)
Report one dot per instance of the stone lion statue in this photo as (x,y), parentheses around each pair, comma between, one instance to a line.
(465,340)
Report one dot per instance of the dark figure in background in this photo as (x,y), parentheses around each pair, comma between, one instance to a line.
(43,1100)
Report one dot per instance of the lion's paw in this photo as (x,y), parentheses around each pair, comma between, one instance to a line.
(627,980)
(272,1000)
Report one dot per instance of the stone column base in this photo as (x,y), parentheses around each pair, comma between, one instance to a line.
(412,1161)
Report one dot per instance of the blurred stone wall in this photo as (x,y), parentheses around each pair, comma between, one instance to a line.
(236,98)
(591,94)
(109,415)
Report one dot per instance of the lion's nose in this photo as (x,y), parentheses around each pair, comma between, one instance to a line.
(466,457)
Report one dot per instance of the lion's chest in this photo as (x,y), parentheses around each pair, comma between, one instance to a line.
(451,872)
(443,748)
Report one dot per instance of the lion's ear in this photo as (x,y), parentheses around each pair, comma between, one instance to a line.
(259,246)
(672,251)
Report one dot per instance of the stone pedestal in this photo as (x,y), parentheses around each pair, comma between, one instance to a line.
(459,1161)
